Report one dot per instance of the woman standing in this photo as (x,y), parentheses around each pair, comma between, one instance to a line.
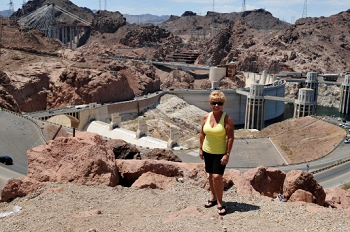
(216,140)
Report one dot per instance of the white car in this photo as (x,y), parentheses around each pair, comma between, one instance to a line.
(347,140)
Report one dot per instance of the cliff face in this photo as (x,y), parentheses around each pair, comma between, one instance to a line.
(312,44)
(53,85)
(33,81)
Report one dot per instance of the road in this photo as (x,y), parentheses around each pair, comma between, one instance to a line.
(332,177)
(17,135)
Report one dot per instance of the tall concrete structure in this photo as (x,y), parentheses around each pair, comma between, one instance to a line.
(116,121)
(311,82)
(344,106)
(215,75)
(254,118)
(142,128)
(305,105)
(174,137)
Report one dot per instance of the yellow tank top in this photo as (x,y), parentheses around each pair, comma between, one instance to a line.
(215,137)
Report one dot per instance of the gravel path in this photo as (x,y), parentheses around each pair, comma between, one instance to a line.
(71,207)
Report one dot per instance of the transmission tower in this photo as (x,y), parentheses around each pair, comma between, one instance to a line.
(292,20)
(306,23)
(243,7)
(105,4)
(305,10)
(11,8)
(213,5)
(100,4)
(23,3)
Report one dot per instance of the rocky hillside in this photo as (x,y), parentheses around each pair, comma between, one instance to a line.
(312,44)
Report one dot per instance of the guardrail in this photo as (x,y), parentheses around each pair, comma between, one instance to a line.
(330,166)
(27,118)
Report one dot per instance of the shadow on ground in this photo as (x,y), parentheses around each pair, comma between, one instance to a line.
(240,207)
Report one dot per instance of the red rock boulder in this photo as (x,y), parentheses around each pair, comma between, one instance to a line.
(297,179)
(337,198)
(161,154)
(131,170)
(266,181)
(302,195)
(19,187)
(152,180)
(123,150)
(243,186)
(84,159)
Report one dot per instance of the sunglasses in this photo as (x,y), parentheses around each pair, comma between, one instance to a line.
(216,103)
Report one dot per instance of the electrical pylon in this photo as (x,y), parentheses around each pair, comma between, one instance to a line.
(305,10)
(243,8)
(11,8)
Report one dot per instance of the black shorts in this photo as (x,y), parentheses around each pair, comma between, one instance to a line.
(213,163)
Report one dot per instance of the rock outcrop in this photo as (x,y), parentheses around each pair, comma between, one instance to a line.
(131,170)
(300,180)
(337,198)
(266,181)
(147,35)
(161,154)
(152,180)
(177,79)
(108,22)
(84,159)
(123,150)
(294,186)
(19,187)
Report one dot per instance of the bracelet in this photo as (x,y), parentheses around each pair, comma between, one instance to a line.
(227,153)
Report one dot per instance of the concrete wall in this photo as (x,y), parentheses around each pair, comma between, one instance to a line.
(274,109)
(103,112)
(235,103)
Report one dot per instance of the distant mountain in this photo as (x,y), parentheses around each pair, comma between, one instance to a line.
(146,18)
(4,13)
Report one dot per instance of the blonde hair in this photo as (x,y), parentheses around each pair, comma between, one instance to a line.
(217,95)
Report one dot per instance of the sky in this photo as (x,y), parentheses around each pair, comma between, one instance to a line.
(286,10)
